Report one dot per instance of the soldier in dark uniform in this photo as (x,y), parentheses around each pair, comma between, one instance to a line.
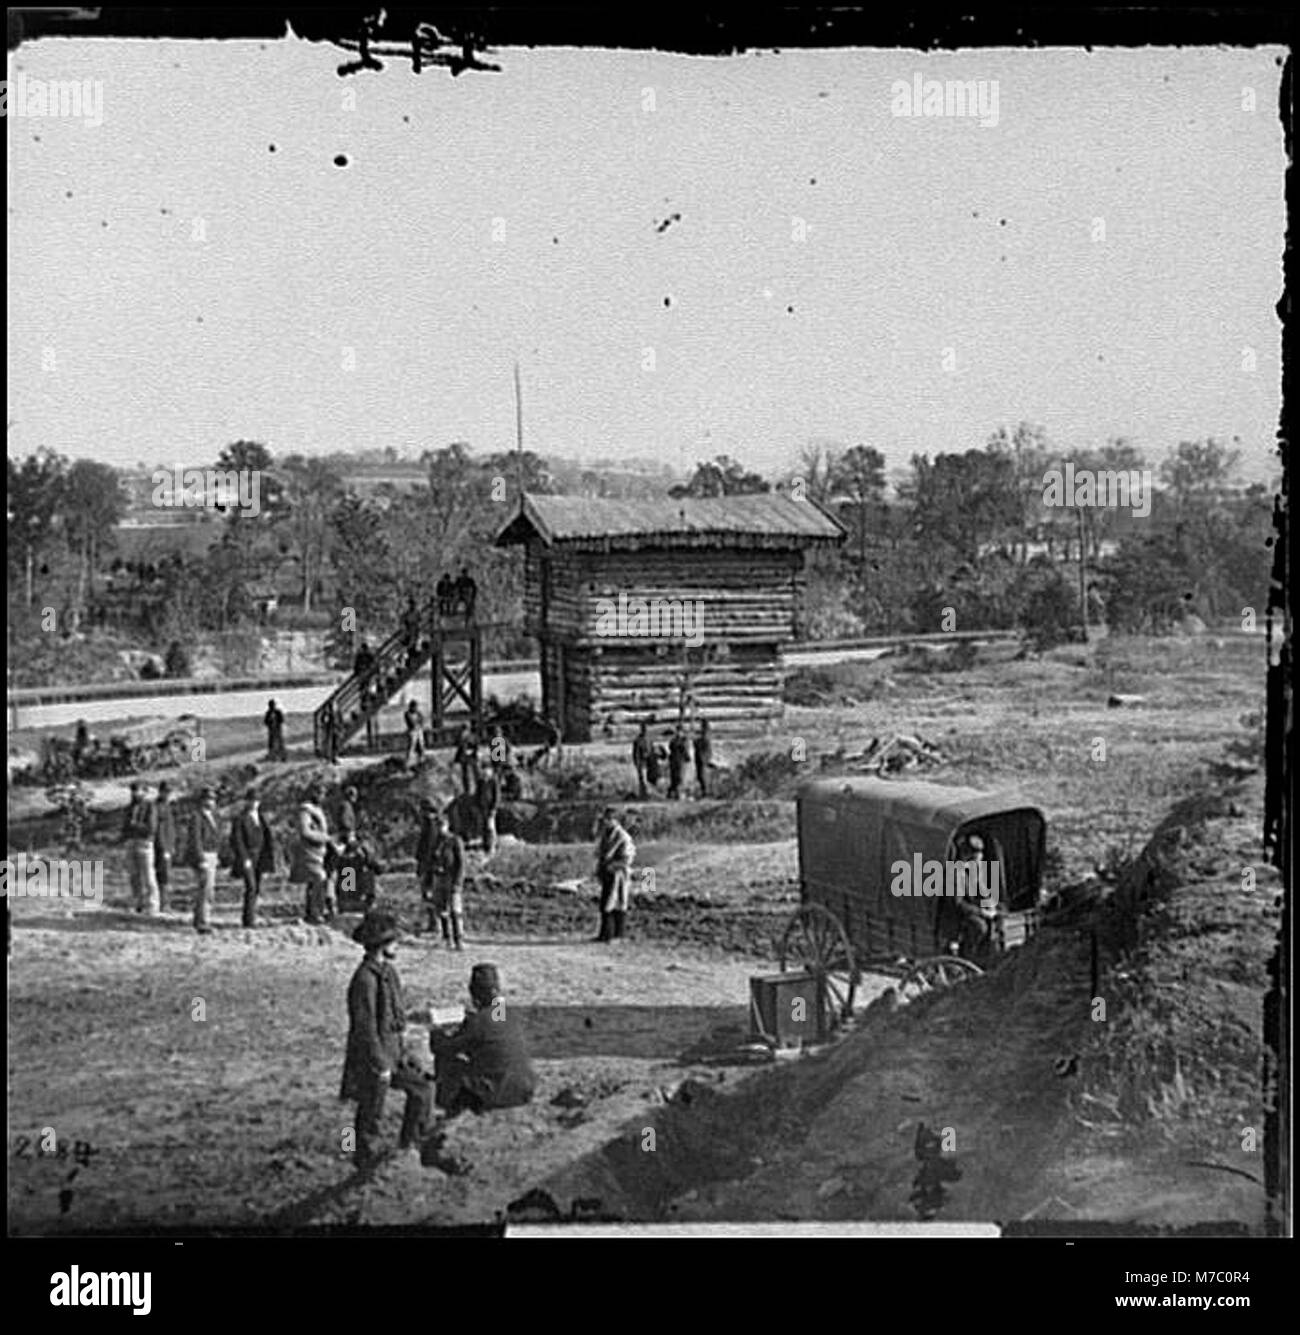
(678,752)
(274,721)
(466,593)
(446,591)
(466,758)
(348,816)
(376,1021)
(252,853)
(484,1064)
(640,757)
(488,796)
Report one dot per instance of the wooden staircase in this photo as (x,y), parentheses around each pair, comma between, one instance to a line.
(454,648)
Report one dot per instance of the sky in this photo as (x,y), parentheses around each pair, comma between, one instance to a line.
(688,256)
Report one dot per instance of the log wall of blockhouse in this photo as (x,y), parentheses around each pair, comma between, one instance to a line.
(749,603)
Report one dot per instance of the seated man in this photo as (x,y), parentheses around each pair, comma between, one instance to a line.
(484,1064)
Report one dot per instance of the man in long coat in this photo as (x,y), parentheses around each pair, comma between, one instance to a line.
(252,852)
(484,1064)
(274,721)
(374,1064)
(310,850)
(615,853)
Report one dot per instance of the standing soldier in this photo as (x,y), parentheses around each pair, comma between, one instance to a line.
(201,854)
(376,1021)
(414,720)
(252,852)
(330,735)
(80,747)
(139,829)
(446,592)
(309,853)
(466,758)
(466,593)
(489,799)
(274,720)
(349,819)
(447,874)
(641,757)
(615,853)
(703,757)
(164,841)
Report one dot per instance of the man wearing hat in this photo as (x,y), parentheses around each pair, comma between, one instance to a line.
(484,1064)
(309,852)
(202,845)
(440,867)
(615,853)
(252,850)
(139,829)
(376,1021)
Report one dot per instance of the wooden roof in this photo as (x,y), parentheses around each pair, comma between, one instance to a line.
(771,520)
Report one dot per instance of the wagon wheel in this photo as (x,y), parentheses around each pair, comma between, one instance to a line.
(814,942)
(138,760)
(938,971)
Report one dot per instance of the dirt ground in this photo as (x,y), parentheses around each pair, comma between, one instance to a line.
(201,1073)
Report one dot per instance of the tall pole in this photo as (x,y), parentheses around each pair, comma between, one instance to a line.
(519,431)
(1083,578)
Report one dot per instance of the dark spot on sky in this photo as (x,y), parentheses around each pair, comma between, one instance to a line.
(270,148)
(1004,259)
(812,180)
(789,310)
(668,301)
(668,222)
(406,120)
(200,320)
(164,212)
(823,95)
(974,213)
(555,241)
(37,138)
(341,160)
(1002,222)
(103,222)
(67,194)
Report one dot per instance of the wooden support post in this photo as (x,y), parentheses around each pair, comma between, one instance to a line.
(476,678)
(435,683)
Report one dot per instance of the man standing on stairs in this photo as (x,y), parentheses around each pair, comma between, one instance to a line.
(615,853)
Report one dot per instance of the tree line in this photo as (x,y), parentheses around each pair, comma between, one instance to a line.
(962,540)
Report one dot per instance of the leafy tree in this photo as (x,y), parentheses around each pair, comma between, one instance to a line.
(722,476)
(311,489)
(93,506)
(35,489)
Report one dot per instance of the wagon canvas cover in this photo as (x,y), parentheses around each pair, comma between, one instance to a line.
(853,830)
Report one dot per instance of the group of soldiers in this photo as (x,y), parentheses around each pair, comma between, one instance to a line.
(672,756)
(457,595)
(159,837)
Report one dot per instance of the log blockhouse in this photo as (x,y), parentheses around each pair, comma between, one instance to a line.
(658,609)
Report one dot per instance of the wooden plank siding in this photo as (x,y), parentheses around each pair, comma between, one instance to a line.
(720,583)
